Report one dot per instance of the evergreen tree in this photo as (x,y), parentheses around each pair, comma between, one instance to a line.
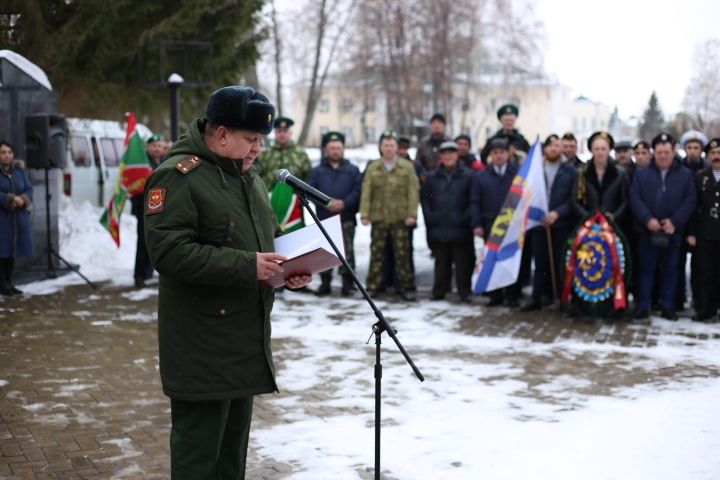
(652,121)
(100,56)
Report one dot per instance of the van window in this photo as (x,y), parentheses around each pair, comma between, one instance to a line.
(119,147)
(111,156)
(80,151)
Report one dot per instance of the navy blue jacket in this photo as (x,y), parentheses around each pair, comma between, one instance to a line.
(677,201)
(343,183)
(445,200)
(560,195)
(15,226)
(487,196)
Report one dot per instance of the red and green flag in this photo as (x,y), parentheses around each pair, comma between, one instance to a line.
(287,207)
(134,169)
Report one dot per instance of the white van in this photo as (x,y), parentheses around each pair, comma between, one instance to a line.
(95,148)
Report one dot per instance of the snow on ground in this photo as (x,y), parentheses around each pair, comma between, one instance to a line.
(496,407)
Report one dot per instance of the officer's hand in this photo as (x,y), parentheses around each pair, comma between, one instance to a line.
(550,218)
(410,222)
(479,232)
(653,225)
(298,281)
(18,201)
(336,205)
(267,264)
(668,226)
(691,240)
(365,221)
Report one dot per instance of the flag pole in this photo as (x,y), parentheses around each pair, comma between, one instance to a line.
(553,274)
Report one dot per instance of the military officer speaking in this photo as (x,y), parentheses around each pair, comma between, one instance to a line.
(705,235)
(209,229)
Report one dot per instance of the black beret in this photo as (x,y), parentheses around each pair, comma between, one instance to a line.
(438,116)
(663,138)
(331,136)
(624,145)
(240,108)
(603,135)
(155,137)
(498,142)
(283,122)
(642,143)
(462,136)
(404,141)
(388,134)
(714,143)
(508,108)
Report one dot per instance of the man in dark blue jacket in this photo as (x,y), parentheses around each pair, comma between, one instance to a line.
(445,198)
(488,192)
(662,198)
(560,220)
(342,181)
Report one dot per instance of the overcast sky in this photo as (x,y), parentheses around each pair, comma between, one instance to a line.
(618,51)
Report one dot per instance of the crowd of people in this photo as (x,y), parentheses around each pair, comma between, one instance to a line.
(661,197)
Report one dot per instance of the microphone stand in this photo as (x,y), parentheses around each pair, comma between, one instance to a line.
(378,328)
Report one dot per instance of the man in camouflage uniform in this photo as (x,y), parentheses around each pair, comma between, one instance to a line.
(389,200)
(284,153)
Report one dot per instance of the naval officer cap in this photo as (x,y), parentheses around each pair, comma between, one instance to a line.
(240,108)
(498,142)
(663,138)
(448,147)
(694,136)
(508,109)
(712,144)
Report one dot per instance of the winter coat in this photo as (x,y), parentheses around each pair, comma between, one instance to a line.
(15,227)
(514,137)
(428,152)
(389,196)
(343,183)
(445,198)
(204,223)
(487,195)
(677,201)
(291,157)
(705,222)
(588,195)
(560,194)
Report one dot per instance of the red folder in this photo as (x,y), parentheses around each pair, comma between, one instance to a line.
(309,263)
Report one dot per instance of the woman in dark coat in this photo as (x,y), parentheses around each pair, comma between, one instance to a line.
(601,185)
(15,229)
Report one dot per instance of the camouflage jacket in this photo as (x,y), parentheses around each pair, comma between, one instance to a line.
(389,196)
(292,157)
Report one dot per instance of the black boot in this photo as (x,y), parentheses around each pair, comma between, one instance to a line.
(348,288)
(5,276)
(324,289)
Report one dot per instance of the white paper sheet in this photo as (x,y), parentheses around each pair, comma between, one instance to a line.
(310,238)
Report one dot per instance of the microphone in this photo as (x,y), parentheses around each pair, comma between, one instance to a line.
(283,176)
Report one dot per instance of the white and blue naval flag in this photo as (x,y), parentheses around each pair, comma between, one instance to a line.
(525,207)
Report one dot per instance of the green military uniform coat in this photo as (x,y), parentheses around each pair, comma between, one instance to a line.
(204,223)
(389,196)
(291,157)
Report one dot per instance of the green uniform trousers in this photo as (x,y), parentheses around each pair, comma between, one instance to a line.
(399,235)
(209,439)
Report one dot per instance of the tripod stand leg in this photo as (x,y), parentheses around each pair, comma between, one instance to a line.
(378,397)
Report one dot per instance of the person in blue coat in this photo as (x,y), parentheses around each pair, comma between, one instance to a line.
(487,195)
(662,198)
(16,193)
(342,181)
(560,221)
(445,199)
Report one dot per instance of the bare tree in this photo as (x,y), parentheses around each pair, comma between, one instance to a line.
(702,96)
(277,42)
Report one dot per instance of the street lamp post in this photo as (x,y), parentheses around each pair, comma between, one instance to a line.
(174,81)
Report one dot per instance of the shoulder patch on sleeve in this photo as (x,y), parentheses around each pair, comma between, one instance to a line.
(189,164)
(155,201)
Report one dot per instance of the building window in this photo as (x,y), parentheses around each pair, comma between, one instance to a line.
(370,104)
(324,105)
(347,105)
(370,135)
(324,130)
(348,132)
(466,105)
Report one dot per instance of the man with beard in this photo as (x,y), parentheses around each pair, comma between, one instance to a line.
(705,235)
(342,181)
(663,199)
(507,114)
(559,178)
(487,194)
(569,150)
(428,148)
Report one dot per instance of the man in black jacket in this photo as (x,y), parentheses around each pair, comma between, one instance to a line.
(507,114)
(445,199)
(559,178)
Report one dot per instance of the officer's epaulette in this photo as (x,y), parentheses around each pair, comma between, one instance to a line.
(189,164)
